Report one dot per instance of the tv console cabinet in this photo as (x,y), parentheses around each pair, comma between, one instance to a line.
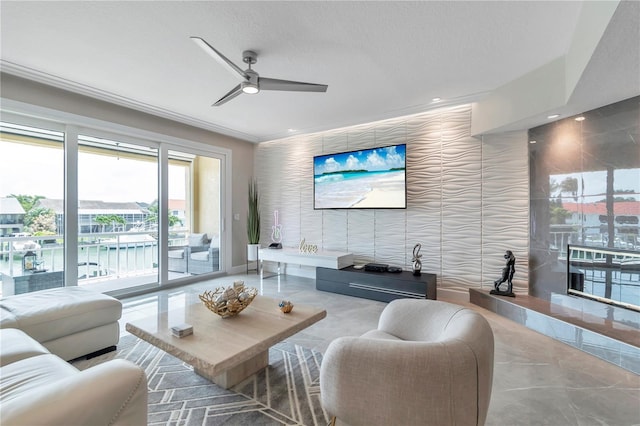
(382,286)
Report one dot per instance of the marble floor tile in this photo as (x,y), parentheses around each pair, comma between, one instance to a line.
(537,380)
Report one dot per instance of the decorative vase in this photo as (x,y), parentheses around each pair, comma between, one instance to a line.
(252,251)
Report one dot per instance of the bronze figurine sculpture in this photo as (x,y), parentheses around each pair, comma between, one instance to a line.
(507,275)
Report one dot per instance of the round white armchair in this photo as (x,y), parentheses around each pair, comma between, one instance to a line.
(428,363)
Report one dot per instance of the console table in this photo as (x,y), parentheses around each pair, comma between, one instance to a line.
(325,258)
(382,286)
(26,282)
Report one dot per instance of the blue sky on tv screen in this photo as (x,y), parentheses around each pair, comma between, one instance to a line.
(375,159)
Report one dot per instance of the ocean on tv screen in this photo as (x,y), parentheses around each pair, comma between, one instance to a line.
(372,178)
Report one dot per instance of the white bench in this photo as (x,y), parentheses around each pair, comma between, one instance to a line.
(323,258)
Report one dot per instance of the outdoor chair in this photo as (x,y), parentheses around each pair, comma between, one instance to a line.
(179,256)
(203,261)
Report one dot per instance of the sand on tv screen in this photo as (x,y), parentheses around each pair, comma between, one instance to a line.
(373,178)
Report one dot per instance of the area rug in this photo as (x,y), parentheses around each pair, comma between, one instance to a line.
(285,393)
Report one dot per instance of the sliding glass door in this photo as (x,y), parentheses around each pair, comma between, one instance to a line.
(194,206)
(117,211)
(76,195)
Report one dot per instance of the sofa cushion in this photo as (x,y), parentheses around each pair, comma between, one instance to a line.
(39,388)
(7,319)
(51,314)
(176,254)
(196,240)
(50,392)
(30,374)
(202,256)
(16,345)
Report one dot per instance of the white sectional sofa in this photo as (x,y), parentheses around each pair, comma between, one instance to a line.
(39,388)
(70,321)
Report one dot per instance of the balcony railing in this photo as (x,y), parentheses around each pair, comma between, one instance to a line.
(101,256)
(607,275)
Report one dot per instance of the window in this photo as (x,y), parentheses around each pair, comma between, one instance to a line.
(117,239)
(31,213)
(195,206)
(117,189)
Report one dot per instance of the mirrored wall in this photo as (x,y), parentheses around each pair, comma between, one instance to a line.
(584,189)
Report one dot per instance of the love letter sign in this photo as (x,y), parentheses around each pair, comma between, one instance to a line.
(308,248)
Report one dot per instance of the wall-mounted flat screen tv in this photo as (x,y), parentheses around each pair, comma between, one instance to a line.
(373,178)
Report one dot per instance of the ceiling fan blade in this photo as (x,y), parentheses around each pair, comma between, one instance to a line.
(293,86)
(232,94)
(219,56)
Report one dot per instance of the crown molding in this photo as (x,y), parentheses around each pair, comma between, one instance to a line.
(94,93)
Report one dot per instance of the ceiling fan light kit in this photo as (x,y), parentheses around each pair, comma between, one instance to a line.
(249,88)
(251,81)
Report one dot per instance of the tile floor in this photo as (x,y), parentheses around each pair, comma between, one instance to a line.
(537,380)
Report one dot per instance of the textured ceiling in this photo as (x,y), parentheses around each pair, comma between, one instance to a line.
(380,59)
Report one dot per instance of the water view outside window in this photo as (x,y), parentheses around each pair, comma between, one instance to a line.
(31,234)
(118,207)
(117,213)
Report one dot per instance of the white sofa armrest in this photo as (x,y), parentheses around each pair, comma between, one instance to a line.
(112,393)
(374,381)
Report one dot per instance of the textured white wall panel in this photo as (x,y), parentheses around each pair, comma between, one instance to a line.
(467,199)
(424,191)
(461,206)
(272,187)
(391,133)
(505,206)
(334,142)
(335,230)
(361,235)
(390,234)
(360,138)
(310,219)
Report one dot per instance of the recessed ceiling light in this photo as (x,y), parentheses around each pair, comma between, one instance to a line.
(532,142)
(436,99)
(552,116)
(291,130)
(581,118)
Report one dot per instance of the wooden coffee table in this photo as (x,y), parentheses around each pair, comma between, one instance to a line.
(226,350)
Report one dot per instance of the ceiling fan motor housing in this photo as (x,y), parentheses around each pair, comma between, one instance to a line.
(249,57)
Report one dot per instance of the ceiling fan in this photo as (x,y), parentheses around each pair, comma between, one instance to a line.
(251,81)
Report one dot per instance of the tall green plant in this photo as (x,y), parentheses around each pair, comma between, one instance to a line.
(253,216)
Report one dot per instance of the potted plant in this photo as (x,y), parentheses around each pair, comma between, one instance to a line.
(253,221)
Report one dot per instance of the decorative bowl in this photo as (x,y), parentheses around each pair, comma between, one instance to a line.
(230,301)
(286,306)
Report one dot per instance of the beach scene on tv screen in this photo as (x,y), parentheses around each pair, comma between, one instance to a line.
(370,178)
